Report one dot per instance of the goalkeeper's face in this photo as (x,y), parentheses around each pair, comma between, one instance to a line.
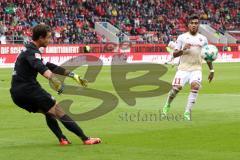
(46,40)
(193,26)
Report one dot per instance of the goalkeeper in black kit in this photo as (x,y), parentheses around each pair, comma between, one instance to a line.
(27,93)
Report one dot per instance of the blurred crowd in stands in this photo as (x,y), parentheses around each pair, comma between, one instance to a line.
(153,21)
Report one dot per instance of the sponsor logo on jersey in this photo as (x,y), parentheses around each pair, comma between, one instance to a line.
(38,56)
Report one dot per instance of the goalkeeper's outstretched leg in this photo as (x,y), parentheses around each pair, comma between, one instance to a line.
(58,113)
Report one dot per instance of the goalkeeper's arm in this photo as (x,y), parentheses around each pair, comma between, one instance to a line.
(57,69)
(62,71)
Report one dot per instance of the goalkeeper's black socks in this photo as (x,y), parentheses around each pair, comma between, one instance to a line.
(72,126)
(53,125)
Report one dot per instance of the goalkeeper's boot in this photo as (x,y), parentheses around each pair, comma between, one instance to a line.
(64,141)
(187,116)
(166,109)
(91,141)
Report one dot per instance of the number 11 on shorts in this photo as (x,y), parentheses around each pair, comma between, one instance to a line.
(177,81)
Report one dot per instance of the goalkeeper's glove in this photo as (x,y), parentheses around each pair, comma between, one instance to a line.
(56,84)
(79,80)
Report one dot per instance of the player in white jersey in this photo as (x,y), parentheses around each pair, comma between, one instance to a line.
(188,48)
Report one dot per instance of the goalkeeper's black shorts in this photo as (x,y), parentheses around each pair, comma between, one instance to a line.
(32,99)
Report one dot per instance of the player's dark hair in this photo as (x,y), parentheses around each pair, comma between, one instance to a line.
(192,17)
(40,30)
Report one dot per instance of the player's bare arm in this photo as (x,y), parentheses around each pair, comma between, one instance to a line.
(178,53)
(211,74)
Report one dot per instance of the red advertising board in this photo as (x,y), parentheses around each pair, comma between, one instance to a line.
(7,60)
(104,48)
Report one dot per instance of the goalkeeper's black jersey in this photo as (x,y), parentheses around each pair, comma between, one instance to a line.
(28,64)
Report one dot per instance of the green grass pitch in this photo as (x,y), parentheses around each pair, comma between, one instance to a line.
(214,132)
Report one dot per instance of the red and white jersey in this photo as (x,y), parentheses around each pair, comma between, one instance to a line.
(191,59)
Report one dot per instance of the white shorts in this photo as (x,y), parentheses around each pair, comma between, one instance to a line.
(182,77)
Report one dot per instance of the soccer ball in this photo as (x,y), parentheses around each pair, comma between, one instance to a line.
(87,49)
(209,52)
